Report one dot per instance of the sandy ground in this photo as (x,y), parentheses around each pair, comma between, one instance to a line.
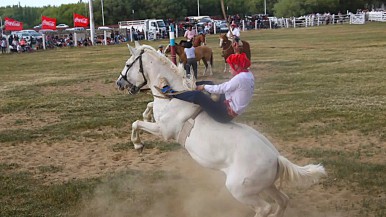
(201,192)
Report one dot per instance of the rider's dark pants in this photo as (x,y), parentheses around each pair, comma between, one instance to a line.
(191,62)
(217,110)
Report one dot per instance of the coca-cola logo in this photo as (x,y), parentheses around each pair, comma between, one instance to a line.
(13,23)
(80,20)
(48,23)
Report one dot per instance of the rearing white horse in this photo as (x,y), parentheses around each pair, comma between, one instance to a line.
(251,163)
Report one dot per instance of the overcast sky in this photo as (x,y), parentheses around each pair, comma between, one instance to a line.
(37,3)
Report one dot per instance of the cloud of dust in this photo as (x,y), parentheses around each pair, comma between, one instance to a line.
(183,189)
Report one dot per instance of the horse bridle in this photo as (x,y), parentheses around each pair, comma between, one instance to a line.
(226,49)
(134,89)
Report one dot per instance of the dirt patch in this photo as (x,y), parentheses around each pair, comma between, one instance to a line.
(26,120)
(85,88)
(200,191)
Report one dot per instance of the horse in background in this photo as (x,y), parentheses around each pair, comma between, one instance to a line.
(203,53)
(228,49)
(199,40)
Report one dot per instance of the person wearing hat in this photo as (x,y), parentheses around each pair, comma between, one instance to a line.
(235,94)
(161,50)
(235,35)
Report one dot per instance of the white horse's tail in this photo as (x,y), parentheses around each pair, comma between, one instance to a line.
(297,175)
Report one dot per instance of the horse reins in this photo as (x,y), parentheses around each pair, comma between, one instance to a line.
(144,77)
(140,70)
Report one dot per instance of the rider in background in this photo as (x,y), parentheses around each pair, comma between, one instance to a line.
(190,33)
(236,94)
(236,36)
(161,50)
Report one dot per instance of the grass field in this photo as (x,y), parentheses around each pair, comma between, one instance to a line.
(320,96)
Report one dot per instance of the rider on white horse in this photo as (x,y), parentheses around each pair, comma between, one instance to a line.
(236,93)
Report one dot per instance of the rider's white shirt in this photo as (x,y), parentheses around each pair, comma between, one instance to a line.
(235,32)
(238,90)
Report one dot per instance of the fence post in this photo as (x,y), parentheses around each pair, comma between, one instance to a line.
(318,21)
(172,44)
(270,24)
(243,25)
(214,28)
(306,21)
(44,41)
(131,35)
(7,43)
(176,30)
(75,39)
(294,22)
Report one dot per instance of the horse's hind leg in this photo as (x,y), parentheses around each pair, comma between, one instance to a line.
(248,194)
(206,66)
(280,198)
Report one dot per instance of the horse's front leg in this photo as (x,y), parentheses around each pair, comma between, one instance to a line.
(148,113)
(152,128)
(225,69)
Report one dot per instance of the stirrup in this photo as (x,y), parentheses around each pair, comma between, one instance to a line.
(167,91)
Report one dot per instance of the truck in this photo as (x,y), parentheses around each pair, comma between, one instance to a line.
(150,27)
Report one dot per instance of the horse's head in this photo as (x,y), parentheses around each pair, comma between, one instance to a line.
(145,67)
(132,76)
(223,40)
(167,49)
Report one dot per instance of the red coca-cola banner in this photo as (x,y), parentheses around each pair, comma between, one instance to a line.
(48,23)
(80,21)
(13,25)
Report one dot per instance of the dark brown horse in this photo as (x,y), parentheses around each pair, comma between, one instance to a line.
(228,49)
(203,53)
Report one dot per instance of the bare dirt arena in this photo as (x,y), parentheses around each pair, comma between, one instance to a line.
(196,192)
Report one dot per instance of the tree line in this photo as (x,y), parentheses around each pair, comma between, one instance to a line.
(119,10)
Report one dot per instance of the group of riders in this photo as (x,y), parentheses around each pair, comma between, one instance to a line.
(233,96)
(234,33)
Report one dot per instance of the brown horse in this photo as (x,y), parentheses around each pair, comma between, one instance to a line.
(199,40)
(203,53)
(228,49)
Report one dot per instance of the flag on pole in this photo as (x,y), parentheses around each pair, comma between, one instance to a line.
(48,23)
(13,25)
(80,21)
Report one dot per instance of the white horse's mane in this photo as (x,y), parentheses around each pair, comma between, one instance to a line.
(189,83)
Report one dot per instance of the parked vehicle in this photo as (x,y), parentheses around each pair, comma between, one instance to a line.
(24,34)
(151,26)
(75,29)
(104,28)
(223,28)
(62,26)
(33,33)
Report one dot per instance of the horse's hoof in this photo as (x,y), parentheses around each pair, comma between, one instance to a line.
(139,147)
(140,150)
